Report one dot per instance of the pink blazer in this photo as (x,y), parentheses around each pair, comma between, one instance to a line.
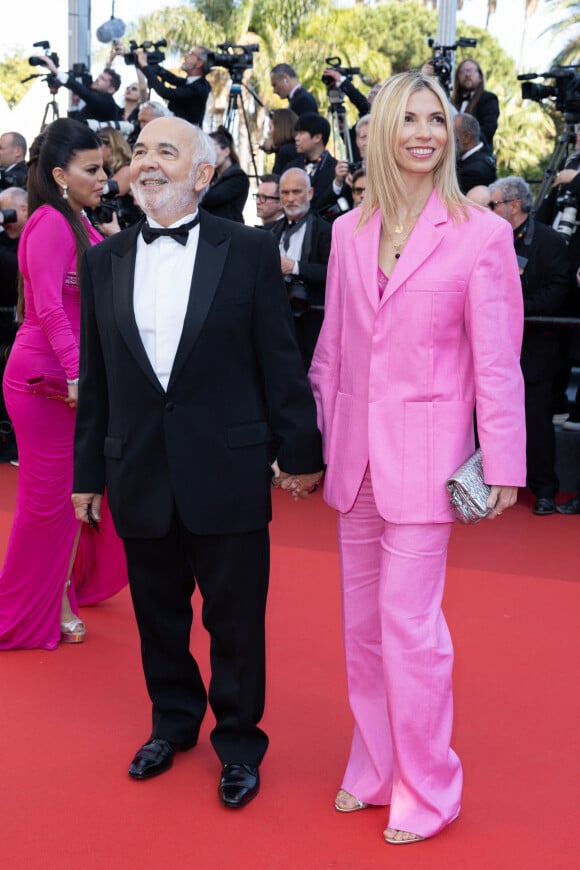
(396,379)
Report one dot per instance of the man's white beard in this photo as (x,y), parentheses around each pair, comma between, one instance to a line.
(173,198)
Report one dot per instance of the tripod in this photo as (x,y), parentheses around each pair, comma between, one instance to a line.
(339,130)
(51,112)
(567,139)
(232,114)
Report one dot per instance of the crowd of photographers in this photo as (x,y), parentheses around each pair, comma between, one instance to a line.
(308,187)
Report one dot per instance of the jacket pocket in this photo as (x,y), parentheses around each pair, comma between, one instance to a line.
(113,448)
(247,434)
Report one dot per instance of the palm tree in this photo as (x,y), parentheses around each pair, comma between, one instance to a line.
(569,24)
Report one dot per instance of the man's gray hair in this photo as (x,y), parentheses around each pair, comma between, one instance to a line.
(514,187)
(366,119)
(204,151)
(158,110)
(302,172)
(16,196)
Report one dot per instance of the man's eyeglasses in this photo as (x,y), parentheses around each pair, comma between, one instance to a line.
(359,190)
(262,197)
(493,205)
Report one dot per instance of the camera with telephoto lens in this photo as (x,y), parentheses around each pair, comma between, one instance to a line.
(8,216)
(442,60)
(80,71)
(39,60)
(151,49)
(565,221)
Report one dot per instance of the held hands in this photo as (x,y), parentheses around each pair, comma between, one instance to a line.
(73,395)
(501,498)
(287,264)
(299,485)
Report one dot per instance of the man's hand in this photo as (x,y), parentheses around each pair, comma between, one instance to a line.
(340,172)
(299,485)
(333,74)
(82,501)
(287,265)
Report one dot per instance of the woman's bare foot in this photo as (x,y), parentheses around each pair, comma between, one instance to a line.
(348,803)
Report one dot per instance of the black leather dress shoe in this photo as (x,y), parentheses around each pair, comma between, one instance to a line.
(153,758)
(239,783)
(544,506)
(570,507)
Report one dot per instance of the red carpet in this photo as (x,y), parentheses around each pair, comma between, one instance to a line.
(70,721)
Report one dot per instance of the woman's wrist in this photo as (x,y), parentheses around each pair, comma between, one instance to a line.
(72,382)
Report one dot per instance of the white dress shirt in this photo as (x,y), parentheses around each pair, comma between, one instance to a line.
(163,271)
(294,251)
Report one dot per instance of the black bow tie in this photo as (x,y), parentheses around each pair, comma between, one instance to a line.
(180,233)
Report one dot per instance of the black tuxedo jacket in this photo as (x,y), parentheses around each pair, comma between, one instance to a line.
(478,168)
(237,395)
(546,290)
(313,265)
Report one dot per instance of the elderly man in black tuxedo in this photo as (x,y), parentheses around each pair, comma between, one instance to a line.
(191,384)
(304,240)
(475,166)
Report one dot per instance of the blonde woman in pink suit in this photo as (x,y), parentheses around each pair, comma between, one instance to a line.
(423,322)
(41,582)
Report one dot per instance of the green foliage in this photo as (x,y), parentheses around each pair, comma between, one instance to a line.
(13,68)
(567,15)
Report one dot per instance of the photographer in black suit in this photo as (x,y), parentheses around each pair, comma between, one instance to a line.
(186,96)
(545,272)
(304,241)
(13,169)
(98,97)
(469,95)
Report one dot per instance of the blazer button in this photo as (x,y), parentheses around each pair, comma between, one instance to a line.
(169,406)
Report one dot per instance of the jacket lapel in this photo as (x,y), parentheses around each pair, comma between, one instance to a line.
(366,248)
(212,249)
(123,272)
(424,239)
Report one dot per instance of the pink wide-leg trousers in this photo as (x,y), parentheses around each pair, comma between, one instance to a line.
(399,660)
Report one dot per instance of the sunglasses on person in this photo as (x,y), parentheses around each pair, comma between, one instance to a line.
(359,190)
(493,205)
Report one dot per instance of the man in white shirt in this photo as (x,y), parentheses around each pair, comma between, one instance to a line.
(191,385)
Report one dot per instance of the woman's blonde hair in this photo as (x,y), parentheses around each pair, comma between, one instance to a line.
(385,187)
(120,150)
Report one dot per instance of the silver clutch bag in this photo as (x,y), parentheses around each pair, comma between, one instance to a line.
(468,492)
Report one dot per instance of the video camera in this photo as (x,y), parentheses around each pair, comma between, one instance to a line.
(442,60)
(566,90)
(151,49)
(235,58)
(38,60)
(335,95)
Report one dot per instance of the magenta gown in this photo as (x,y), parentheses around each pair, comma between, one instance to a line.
(44,529)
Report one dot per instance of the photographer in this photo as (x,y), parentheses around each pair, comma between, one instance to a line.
(304,241)
(469,95)
(99,104)
(186,96)
(12,160)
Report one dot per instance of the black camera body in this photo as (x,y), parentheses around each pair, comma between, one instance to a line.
(235,58)
(8,216)
(297,296)
(38,60)
(565,91)
(442,60)
(347,71)
(152,49)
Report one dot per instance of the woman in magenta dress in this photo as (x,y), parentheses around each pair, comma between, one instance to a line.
(38,601)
